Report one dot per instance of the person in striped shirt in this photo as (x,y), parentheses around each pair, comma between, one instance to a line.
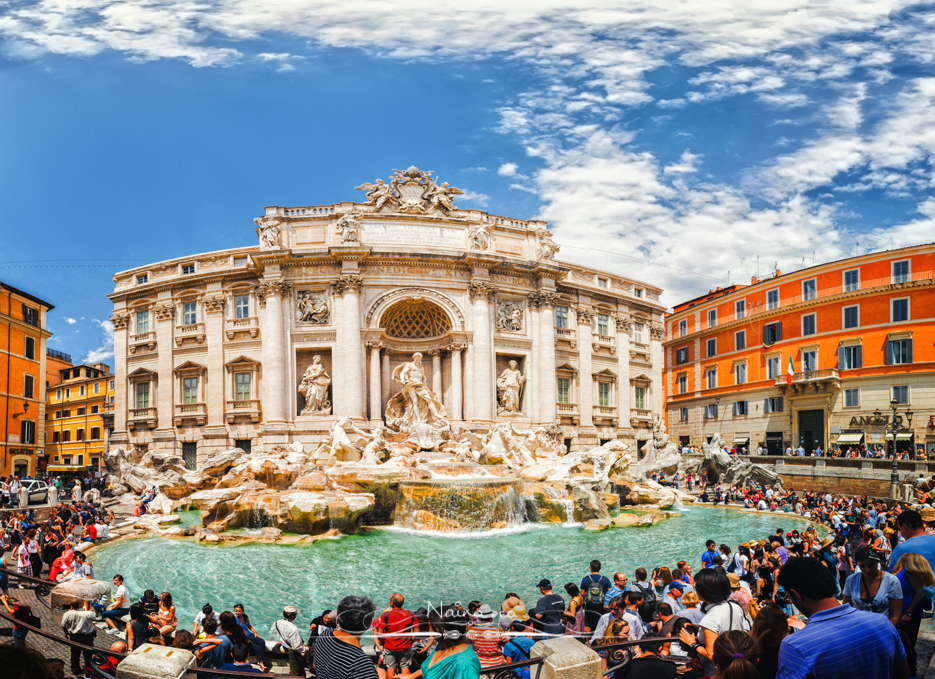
(487,639)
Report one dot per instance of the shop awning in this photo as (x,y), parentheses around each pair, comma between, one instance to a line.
(744,439)
(899,437)
(849,439)
(68,468)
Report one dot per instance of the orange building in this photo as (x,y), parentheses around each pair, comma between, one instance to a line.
(859,332)
(23,337)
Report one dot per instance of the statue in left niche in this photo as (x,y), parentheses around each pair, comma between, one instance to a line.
(349,228)
(510,389)
(267,229)
(314,386)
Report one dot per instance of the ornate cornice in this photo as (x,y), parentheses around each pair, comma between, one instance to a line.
(120,321)
(374,344)
(348,283)
(164,312)
(480,289)
(214,304)
(279,288)
(455,346)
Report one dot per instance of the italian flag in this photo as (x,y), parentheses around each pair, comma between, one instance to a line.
(790,372)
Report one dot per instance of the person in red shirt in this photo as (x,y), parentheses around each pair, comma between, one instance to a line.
(110,664)
(396,625)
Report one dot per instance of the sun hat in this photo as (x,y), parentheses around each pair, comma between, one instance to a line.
(928,513)
(289,610)
(827,541)
(734,580)
(485,612)
(509,603)
(518,612)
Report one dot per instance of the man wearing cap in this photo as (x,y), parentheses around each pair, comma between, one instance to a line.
(287,634)
(549,609)
(486,639)
(674,595)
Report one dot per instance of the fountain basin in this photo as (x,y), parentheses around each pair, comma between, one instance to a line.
(460,504)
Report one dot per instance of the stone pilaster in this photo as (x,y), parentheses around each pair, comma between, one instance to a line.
(546,372)
(163,316)
(585,317)
(656,335)
(214,391)
(623,370)
(454,411)
(437,373)
(376,391)
(120,321)
(384,381)
(351,348)
(274,358)
(534,364)
(481,353)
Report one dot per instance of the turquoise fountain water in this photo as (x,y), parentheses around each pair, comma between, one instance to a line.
(426,569)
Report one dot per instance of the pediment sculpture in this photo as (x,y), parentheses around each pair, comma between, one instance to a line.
(411,190)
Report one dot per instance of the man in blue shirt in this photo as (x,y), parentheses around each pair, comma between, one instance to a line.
(707,559)
(619,588)
(518,647)
(839,642)
(910,526)
(593,588)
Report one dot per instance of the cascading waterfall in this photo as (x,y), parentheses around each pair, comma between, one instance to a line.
(460,505)
(677,505)
(564,500)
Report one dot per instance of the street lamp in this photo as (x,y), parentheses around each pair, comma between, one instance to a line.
(894,426)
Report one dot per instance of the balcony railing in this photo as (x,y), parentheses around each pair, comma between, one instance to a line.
(605,341)
(817,378)
(144,341)
(192,331)
(190,411)
(249,325)
(248,408)
(142,417)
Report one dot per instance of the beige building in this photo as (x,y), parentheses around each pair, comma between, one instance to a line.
(273,343)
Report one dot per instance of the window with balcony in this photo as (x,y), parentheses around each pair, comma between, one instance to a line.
(850,357)
(740,408)
(683,414)
(740,373)
(683,384)
(772,333)
(29,386)
(29,350)
(603,394)
(242,384)
(772,299)
(711,378)
(901,394)
(188,269)
(711,347)
(142,394)
(809,289)
(189,313)
(808,324)
(900,310)
(563,386)
(681,355)
(142,322)
(683,327)
(189,390)
(241,306)
(603,325)
(772,367)
(561,317)
(773,404)
(740,308)
(852,398)
(639,398)
(638,333)
(852,280)
(712,318)
(901,272)
(898,351)
(851,317)
(740,340)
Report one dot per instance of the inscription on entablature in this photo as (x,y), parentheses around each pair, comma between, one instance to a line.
(510,280)
(316,270)
(438,272)
(412,234)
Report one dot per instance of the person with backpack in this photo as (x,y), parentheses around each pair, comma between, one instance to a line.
(593,588)
(647,609)
(518,647)
(393,638)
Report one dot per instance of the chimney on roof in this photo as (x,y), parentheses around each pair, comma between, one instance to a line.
(778,273)
(752,280)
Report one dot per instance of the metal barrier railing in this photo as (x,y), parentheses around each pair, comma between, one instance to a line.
(41,586)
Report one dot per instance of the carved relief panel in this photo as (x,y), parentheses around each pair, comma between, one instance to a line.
(313,307)
(510,315)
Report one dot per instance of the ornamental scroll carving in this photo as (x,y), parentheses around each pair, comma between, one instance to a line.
(164,312)
(214,304)
(510,316)
(585,316)
(279,288)
(657,332)
(479,289)
(120,321)
(623,325)
(347,283)
(542,299)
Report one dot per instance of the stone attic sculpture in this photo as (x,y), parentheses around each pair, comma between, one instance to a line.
(509,386)
(268,230)
(349,228)
(547,247)
(479,236)
(414,402)
(314,386)
(377,195)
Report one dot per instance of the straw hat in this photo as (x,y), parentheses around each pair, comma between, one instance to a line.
(826,542)
(518,612)
(928,514)
(734,580)
(510,603)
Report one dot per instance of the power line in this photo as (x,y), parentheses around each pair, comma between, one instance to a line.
(57,266)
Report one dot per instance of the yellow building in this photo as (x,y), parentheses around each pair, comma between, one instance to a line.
(79,418)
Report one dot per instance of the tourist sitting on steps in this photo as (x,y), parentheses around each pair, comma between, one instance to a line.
(119,608)
(287,636)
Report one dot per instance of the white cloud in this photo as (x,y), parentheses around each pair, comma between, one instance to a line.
(507,169)
(283,59)
(106,350)
(70,321)
(481,199)
(685,165)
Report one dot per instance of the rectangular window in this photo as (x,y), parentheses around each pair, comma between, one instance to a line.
(189,390)
(740,308)
(740,340)
(772,299)
(55,437)
(95,410)
(852,397)
(97,387)
(639,330)
(772,333)
(81,390)
(809,289)
(740,407)
(142,322)
(898,351)
(683,327)
(563,385)
(242,386)
(603,394)
(27,432)
(31,316)
(140,280)
(30,348)
(772,367)
(637,292)
(901,272)
(111,385)
(142,395)
(712,318)
(58,414)
(80,412)
(240,261)
(603,325)
(66,412)
(711,378)
(66,436)
(29,386)
(740,373)
(683,414)
(852,280)
(67,392)
(602,282)
(773,405)
(808,324)
(188,268)
(561,317)
(189,313)
(681,355)
(900,310)
(639,400)
(79,435)
(683,384)
(809,361)
(850,357)
(710,411)
(58,394)
(711,348)
(851,316)
(901,394)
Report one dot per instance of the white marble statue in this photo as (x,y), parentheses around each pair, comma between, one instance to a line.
(314,386)
(268,231)
(479,236)
(349,228)
(440,197)
(415,402)
(378,194)
(547,247)
(509,389)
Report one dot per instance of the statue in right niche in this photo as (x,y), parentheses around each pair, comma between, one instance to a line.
(314,386)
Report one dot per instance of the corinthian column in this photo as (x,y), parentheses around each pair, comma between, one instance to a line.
(455,410)
(273,350)
(215,393)
(120,321)
(546,371)
(348,286)
(165,389)
(533,364)
(586,380)
(375,388)
(481,359)
(437,373)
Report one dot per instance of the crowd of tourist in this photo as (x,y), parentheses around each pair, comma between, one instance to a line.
(861,575)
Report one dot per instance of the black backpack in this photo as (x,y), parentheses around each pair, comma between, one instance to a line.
(595,592)
(647,607)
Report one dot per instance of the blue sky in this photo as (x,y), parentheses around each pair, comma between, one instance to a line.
(673,142)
